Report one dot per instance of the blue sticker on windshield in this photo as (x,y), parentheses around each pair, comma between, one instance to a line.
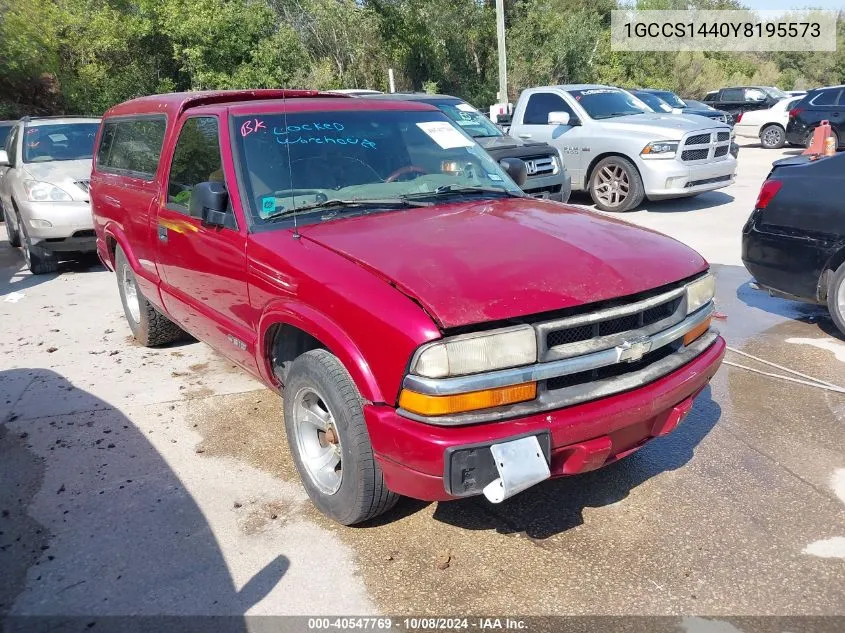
(268,205)
(494,177)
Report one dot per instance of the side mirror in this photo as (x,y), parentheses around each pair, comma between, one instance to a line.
(516,169)
(559,118)
(4,158)
(209,201)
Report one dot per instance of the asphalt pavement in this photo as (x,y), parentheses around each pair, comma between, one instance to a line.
(139,481)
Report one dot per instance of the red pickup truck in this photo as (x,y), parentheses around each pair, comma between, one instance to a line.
(434,332)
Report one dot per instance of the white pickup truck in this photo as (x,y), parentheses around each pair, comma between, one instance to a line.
(618,149)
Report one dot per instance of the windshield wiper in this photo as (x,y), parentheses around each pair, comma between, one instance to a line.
(336,203)
(448,190)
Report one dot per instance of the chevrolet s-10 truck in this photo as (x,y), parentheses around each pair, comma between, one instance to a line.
(434,331)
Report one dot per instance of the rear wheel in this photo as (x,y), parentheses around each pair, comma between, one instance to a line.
(149,327)
(615,185)
(836,298)
(328,438)
(772,137)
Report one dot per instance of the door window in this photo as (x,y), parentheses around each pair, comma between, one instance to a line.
(732,95)
(826,98)
(131,146)
(196,159)
(540,104)
(754,95)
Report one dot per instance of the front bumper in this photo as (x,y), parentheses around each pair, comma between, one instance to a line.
(747,130)
(583,437)
(674,179)
(66,220)
(556,187)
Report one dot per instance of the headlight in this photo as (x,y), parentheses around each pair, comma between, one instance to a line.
(660,149)
(473,353)
(44,192)
(555,164)
(700,292)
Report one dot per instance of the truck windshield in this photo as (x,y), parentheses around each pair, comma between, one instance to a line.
(62,141)
(606,103)
(471,120)
(307,159)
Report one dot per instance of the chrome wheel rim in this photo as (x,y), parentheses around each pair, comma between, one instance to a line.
(317,440)
(771,137)
(840,300)
(130,293)
(612,185)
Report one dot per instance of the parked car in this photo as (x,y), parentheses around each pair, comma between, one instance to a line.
(744,98)
(822,104)
(547,176)
(680,106)
(794,242)
(44,191)
(769,125)
(435,332)
(730,119)
(617,149)
(5,132)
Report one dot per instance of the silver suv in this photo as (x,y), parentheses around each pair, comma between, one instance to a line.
(44,190)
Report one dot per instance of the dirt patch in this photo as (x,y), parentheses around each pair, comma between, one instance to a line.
(258,517)
(199,368)
(247,426)
(198,393)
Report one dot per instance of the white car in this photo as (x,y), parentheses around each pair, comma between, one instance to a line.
(768,125)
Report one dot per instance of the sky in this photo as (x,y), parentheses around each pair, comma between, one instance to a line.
(776,5)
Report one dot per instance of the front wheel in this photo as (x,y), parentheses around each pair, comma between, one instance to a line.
(327,435)
(149,327)
(39,262)
(616,185)
(772,137)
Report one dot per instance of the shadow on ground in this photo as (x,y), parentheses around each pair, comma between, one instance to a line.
(706,200)
(557,505)
(94,521)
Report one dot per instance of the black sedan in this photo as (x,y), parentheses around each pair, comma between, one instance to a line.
(794,242)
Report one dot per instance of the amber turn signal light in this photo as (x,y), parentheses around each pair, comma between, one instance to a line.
(423,404)
(697,331)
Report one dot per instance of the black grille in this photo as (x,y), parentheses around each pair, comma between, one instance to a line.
(707,181)
(724,136)
(85,233)
(694,154)
(572,335)
(721,151)
(625,323)
(612,371)
(698,139)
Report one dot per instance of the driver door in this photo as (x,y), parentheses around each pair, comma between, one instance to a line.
(203,268)
(565,138)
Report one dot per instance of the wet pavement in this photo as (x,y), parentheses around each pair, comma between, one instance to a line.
(158,481)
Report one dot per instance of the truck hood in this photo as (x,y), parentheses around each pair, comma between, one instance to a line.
(489,260)
(655,127)
(492,143)
(63,174)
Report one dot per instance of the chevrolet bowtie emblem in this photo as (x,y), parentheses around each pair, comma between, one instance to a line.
(632,351)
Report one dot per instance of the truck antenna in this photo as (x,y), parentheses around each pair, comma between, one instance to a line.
(296,235)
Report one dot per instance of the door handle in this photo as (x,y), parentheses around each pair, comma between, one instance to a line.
(523,135)
(162,233)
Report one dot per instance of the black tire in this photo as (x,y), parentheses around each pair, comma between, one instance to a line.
(362,493)
(773,136)
(39,262)
(151,328)
(837,285)
(635,193)
(12,233)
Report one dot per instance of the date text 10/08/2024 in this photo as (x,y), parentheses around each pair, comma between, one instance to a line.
(417,624)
